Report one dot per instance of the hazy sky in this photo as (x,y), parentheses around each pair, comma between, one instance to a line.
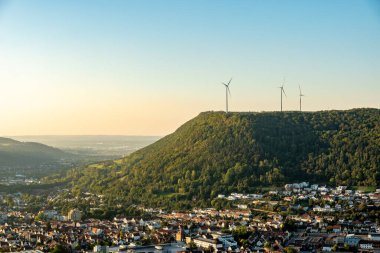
(145,67)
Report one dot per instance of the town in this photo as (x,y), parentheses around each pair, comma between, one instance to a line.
(297,218)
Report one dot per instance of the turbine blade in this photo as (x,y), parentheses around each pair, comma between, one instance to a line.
(229,92)
(230,81)
(284,92)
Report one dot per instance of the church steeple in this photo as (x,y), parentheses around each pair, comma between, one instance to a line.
(180,235)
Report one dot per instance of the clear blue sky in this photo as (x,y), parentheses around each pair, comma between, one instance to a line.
(145,67)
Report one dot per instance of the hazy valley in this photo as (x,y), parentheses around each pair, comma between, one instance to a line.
(25,159)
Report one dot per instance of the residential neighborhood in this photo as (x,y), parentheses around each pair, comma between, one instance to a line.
(300,217)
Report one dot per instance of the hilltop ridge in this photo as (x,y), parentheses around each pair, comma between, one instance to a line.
(220,153)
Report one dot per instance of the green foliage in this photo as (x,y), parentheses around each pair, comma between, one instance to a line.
(290,250)
(218,153)
(192,245)
(220,204)
(241,232)
(59,249)
(40,217)
(9,201)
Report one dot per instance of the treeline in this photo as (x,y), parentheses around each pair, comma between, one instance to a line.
(221,153)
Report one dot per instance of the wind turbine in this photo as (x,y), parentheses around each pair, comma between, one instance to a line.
(227,93)
(301,95)
(282,91)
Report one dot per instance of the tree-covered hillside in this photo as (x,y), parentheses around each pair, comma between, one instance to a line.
(219,153)
(20,154)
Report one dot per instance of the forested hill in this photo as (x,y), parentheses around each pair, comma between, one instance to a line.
(219,153)
(20,154)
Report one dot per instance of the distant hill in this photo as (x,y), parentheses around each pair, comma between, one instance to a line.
(221,153)
(93,148)
(19,154)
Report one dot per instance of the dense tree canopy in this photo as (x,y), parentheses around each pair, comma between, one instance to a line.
(220,153)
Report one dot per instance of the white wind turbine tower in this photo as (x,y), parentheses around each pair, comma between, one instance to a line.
(227,93)
(282,91)
(301,95)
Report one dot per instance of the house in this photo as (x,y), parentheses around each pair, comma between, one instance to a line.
(306,218)
(337,228)
(241,206)
(208,243)
(341,188)
(366,245)
(314,187)
(326,249)
(226,239)
(352,240)
(101,249)
(288,187)
(318,219)
(374,237)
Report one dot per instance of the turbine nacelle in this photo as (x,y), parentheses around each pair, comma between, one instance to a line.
(228,86)
(228,92)
(282,91)
(301,95)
